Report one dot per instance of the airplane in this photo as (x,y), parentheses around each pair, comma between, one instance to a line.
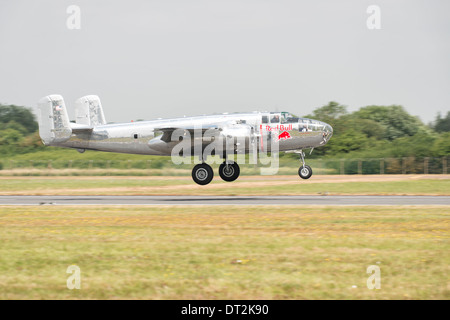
(229,134)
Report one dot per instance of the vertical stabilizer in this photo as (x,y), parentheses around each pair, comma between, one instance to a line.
(54,125)
(88,111)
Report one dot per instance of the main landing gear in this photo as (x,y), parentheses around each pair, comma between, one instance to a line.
(229,171)
(305,172)
(203,173)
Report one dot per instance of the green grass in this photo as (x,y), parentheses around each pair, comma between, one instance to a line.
(269,185)
(210,252)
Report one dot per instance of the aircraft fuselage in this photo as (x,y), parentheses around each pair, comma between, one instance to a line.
(142,137)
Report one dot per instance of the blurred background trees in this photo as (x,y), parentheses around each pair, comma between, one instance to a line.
(442,124)
(370,132)
(18,130)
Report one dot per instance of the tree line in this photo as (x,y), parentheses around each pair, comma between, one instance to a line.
(382,132)
(370,132)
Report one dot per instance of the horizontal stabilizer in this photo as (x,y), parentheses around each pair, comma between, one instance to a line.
(79,128)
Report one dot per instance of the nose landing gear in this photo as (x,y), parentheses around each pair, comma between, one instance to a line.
(305,171)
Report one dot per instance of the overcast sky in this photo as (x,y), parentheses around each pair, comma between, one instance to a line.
(163,58)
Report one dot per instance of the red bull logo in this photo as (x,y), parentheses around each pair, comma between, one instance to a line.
(276,128)
(284,135)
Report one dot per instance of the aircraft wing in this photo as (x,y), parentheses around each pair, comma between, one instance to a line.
(168,131)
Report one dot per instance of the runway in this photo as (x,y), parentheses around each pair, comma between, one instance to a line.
(225,200)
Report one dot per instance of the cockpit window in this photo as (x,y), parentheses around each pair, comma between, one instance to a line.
(274,118)
(287,117)
(310,125)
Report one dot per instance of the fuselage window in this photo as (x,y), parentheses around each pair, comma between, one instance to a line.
(275,118)
(265,119)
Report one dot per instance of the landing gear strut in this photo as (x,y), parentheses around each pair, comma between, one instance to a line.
(229,171)
(305,172)
(202,174)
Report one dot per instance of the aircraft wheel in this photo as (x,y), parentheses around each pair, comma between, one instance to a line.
(202,174)
(305,172)
(229,173)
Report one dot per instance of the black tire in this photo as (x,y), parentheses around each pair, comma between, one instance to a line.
(305,172)
(231,173)
(202,174)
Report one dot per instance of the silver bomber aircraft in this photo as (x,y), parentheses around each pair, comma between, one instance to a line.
(229,133)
